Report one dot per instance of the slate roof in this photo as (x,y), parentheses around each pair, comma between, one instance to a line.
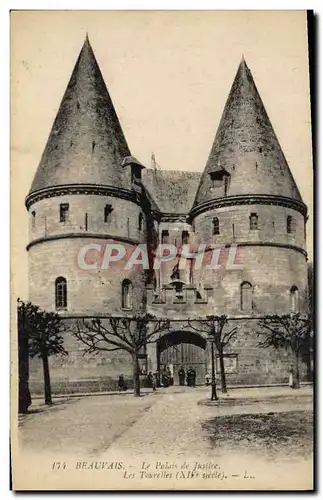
(246,146)
(172,190)
(86,144)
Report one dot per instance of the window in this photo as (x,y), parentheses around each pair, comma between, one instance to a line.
(126,294)
(107,211)
(294,299)
(33,220)
(165,237)
(60,293)
(289,224)
(217,179)
(135,174)
(63,212)
(185,237)
(216,227)
(140,221)
(246,296)
(253,221)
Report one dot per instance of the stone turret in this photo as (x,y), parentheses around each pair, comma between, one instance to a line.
(86,191)
(246,157)
(247,196)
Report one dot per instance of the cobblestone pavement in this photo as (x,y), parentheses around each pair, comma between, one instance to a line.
(167,422)
(154,436)
(173,425)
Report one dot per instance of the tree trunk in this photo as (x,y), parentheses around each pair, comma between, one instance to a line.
(47,388)
(222,371)
(136,379)
(23,361)
(296,384)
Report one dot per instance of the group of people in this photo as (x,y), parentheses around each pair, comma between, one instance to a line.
(190,376)
(165,378)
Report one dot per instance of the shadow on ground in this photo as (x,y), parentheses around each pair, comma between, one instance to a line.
(273,434)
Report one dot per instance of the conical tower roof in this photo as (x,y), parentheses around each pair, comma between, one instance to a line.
(246,148)
(86,144)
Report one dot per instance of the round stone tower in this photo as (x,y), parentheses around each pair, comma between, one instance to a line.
(86,195)
(247,197)
(248,202)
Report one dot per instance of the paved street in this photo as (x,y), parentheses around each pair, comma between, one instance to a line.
(169,421)
(248,432)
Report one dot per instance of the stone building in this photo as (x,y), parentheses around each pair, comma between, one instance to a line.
(89,189)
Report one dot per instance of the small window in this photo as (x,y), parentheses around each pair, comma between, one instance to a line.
(216,226)
(185,237)
(253,221)
(126,294)
(136,174)
(294,299)
(63,212)
(33,219)
(246,296)
(165,237)
(107,211)
(289,224)
(60,293)
(140,221)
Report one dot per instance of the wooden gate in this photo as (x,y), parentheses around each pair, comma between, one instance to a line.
(183,349)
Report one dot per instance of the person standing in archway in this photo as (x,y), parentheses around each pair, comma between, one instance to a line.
(193,374)
(181,376)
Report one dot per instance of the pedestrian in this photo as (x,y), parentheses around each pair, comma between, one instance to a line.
(193,377)
(150,379)
(165,379)
(121,383)
(181,376)
(169,375)
(155,381)
(207,378)
(189,377)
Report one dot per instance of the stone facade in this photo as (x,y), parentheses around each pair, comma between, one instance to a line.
(245,200)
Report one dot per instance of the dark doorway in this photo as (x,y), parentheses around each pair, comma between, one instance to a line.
(182,349)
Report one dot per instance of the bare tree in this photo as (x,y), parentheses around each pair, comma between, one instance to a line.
(214,326)
(129,334)
(43,330)
(289,332)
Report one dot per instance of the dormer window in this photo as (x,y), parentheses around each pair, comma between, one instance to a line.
(136,174)
(220,179)
(107,211)
(63,212)
(217,178)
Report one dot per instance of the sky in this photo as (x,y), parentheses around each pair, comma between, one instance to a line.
(169,75)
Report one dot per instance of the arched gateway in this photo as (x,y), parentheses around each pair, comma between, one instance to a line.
(182,348)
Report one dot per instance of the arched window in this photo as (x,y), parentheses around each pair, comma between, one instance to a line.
(216,226)
(140,221)
(60,293)
(294,299)
(126,294)
(246,296)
